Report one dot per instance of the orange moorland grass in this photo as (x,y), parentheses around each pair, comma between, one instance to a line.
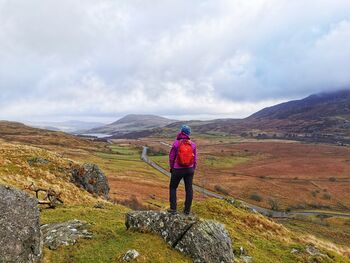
(298,175)
(16,170)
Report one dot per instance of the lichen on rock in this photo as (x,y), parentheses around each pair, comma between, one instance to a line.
(20,237)
(130,255)
(64,233)
(91,178)
(202,240)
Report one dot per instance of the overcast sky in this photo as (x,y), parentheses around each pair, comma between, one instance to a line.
(99,60)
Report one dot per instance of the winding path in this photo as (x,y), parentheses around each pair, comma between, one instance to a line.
(261,210)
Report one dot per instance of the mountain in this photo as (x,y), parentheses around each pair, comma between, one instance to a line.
(133,123)
(314,107)
(321,117)
(327,113)
(71,126)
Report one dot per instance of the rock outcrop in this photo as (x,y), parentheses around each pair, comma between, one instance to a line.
(20,237)
(64,233)
(91,178)
(130,255)
(202,240)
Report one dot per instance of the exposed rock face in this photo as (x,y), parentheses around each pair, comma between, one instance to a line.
(20,237)
(202,240)
(64,233)
(92,179)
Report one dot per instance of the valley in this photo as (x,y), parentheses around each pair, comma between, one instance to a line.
(282,175)
(290,175)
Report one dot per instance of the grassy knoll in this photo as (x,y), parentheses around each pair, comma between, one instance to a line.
(263,239)
(110,241)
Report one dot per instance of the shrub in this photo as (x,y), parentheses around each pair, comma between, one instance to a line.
(220,189)
(274,205)
(255,197)
(326,196)
(314,193)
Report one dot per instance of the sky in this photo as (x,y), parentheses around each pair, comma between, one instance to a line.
(99,60)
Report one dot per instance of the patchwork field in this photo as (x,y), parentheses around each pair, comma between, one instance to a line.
(283,174)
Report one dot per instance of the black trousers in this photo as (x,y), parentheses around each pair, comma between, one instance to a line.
(176,176)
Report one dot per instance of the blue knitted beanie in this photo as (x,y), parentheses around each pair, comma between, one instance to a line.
(186,129)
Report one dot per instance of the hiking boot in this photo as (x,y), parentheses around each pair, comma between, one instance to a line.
(187,213)
(172,211)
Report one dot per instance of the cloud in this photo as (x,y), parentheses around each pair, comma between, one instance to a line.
(192,59)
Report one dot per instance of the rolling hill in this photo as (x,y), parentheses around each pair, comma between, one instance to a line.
(23,134)
(321,117)
(132,123)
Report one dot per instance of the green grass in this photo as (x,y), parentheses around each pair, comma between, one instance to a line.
(161,160)
(110,240)
(118,152)
(124,161)
(224,162)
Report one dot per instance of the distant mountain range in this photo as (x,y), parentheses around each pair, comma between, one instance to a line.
(132,123)
(320,117)
(65,126)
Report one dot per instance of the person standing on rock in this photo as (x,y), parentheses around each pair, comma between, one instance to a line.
(182,162)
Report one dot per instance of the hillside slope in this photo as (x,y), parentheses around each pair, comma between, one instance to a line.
(317,106)
(18,132)
(320,113)
(261,238)
(18,167)
(132,123)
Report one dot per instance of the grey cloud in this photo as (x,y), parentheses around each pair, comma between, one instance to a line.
(107,58)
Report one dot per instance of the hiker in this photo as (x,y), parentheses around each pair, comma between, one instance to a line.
(182,162)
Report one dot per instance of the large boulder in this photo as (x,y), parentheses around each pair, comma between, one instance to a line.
(207,241)
(91,178)
(20,237)
(64,233)
(202,240)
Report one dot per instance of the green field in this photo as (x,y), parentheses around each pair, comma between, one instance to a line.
(264,240)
